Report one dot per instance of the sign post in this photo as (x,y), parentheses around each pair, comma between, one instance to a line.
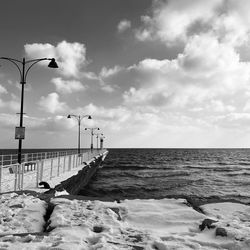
(20,133)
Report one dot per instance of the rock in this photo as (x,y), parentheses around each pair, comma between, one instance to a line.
(97,229)
(207,223)
(17,206)
(220,231)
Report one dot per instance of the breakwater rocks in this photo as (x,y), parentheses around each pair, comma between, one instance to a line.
(75,222)
(77,182)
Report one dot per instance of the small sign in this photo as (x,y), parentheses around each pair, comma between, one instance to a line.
(19,133)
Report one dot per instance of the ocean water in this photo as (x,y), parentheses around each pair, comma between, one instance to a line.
(161,173)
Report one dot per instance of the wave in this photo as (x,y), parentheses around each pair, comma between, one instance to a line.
(238,173)
(158,175)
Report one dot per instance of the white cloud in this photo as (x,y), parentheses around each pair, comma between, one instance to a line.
(106,87)
(3,90)
(172,20)
(71,57)
(12,103)
(177,20)
(123,25)
(52,104)
(67,86)
(107,72)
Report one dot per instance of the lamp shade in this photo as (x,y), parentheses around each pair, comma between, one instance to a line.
(53,64)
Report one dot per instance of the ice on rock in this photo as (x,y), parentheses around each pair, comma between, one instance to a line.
(131,224)
(21,214)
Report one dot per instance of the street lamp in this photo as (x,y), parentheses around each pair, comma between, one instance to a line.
(20,131)
(101,141)
(97,137)
(92,134)
(79,119)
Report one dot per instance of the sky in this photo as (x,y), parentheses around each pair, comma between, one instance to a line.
(151,73)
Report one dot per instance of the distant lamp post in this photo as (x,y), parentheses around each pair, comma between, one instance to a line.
(20,131)
(97,137)
(101,141)
(79,119)
(91,135)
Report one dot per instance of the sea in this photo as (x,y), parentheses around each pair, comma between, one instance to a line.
(215,174)
(220,174)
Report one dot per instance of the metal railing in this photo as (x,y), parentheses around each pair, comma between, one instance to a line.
(42,166)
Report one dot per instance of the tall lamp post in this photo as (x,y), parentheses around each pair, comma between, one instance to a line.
(20,131)
(79,119)
(91,135)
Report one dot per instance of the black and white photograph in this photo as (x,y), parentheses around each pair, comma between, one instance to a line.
(125,125)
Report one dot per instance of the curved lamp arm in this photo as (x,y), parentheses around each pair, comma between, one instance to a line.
(35,61)
(14,61)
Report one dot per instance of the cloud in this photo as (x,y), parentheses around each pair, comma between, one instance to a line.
(12,103)
(107,72)
(209,74)
(3,90)
(52,104)
(123,25)
(67,86)
(205,71)
(172,20)
(177,20)
(71,57)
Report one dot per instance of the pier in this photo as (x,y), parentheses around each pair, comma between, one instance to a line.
(50,167)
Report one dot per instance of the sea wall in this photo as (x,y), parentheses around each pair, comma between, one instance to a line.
(77,182)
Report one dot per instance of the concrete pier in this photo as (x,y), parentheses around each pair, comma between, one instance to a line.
(53,170)
(77,182)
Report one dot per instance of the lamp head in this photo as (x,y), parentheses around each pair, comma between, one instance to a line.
(69,116)
(89,117)
(52,63)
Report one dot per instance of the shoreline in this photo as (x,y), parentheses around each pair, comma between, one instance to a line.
(36,220)
(192,201)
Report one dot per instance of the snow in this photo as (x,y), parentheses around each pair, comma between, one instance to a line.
(21,214)
(166,224)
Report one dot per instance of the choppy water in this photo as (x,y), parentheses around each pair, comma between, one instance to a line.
(159,173)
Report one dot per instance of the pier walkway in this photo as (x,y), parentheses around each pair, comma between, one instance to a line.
(43,166)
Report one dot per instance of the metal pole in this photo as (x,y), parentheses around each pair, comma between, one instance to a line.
(91,145)
(21,112)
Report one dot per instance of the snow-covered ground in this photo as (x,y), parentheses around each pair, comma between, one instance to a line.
(132,224)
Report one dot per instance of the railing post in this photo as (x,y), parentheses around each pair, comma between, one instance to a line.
(15,182)
(1,173)
(73,161)
(69,166)
(37,173)
(22,175)
(64,163)
(51,168)
(58,168)
(19,175)
(1,168)
(41,171)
